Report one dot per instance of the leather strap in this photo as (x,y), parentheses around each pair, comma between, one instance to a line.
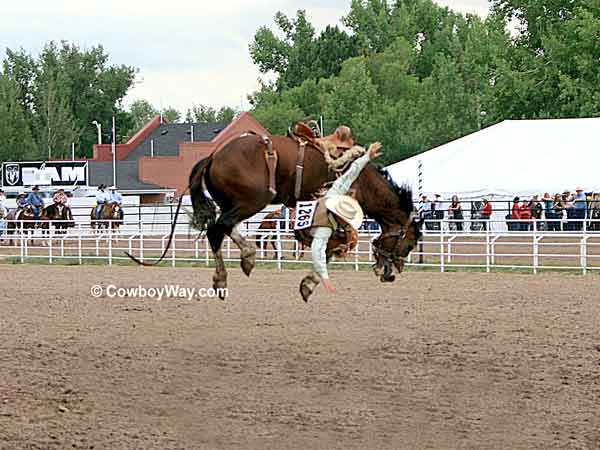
(299,168)
(271,159)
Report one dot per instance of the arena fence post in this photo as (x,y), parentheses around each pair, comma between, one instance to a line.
(110,244)
(487,247)
(173,251)
(279,244)
(442,255)
(583,254)
(21,244)
(206,256)
(142,246)
(50,261)
(356,257)
(536,251)
(79,255)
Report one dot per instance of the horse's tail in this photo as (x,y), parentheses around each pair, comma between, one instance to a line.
(205,210)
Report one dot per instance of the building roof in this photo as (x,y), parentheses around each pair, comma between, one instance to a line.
(168,136)
(514,157)
(101,172)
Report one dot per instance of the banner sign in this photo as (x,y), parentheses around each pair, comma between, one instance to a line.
(59,173)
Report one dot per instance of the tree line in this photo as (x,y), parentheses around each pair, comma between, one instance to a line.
(414,75)
(408,73)
(49,102)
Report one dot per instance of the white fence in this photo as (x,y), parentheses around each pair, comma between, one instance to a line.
(443,247)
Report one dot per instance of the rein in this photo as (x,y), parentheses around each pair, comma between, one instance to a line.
(389,255)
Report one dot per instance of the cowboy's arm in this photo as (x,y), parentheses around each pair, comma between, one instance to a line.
(318,249)
(343,183)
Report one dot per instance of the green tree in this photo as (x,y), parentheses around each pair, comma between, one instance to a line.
(299,55)
(208,114)
(54,127)
(16,141)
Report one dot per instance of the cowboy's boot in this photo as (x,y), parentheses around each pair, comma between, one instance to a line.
(308,285)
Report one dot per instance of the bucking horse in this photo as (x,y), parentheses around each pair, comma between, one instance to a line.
(253,171)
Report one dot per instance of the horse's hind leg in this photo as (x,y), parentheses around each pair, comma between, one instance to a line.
(248,252)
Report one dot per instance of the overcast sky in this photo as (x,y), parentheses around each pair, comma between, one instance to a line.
(188,51)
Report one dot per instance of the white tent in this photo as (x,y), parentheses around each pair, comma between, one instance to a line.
(514,157)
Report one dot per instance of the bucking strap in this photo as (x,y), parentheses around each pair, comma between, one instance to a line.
(299,169)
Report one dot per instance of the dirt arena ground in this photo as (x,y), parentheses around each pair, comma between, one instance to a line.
(433,361)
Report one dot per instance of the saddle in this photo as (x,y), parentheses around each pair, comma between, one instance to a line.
(338,149)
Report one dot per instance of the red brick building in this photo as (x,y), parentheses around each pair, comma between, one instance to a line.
(159,157)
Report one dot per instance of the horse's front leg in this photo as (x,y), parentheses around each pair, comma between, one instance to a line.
(248,252)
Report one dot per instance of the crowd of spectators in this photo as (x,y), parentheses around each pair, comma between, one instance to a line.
(561,212)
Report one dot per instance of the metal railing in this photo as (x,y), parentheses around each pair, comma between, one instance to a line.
(442,248)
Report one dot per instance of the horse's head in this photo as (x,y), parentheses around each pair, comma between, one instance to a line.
(114,214)
(390,249)
(392,206)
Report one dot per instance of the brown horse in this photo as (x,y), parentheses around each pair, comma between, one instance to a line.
(59,215)
(13,224)
(267,232)
(110,216)
(237,178)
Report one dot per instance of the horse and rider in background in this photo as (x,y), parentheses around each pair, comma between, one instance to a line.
(58,214)
(108,212)
(267,232)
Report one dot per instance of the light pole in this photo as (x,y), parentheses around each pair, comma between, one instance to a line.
(99,128)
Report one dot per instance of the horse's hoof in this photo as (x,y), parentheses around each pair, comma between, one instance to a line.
(220,284)
(248,260)
(305,291)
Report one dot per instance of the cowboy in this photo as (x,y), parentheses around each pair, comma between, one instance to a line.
(102,197)
(2,203)
(60,198)
(35,200)
(21,200)
(116,197)
(339,209)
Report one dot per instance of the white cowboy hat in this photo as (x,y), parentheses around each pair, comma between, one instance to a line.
(113,187)
(346,208)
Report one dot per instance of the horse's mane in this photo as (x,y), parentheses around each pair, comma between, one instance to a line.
(404,192)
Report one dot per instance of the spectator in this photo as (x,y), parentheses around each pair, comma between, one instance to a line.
(438,212)
(549,212)
(2,203)
(35,200)
(455,213)
(486,213)
(594,213)
(569,208)
(525,214)
(425,211)
(515,216)
(559,210)
(579,209)
(536,212)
